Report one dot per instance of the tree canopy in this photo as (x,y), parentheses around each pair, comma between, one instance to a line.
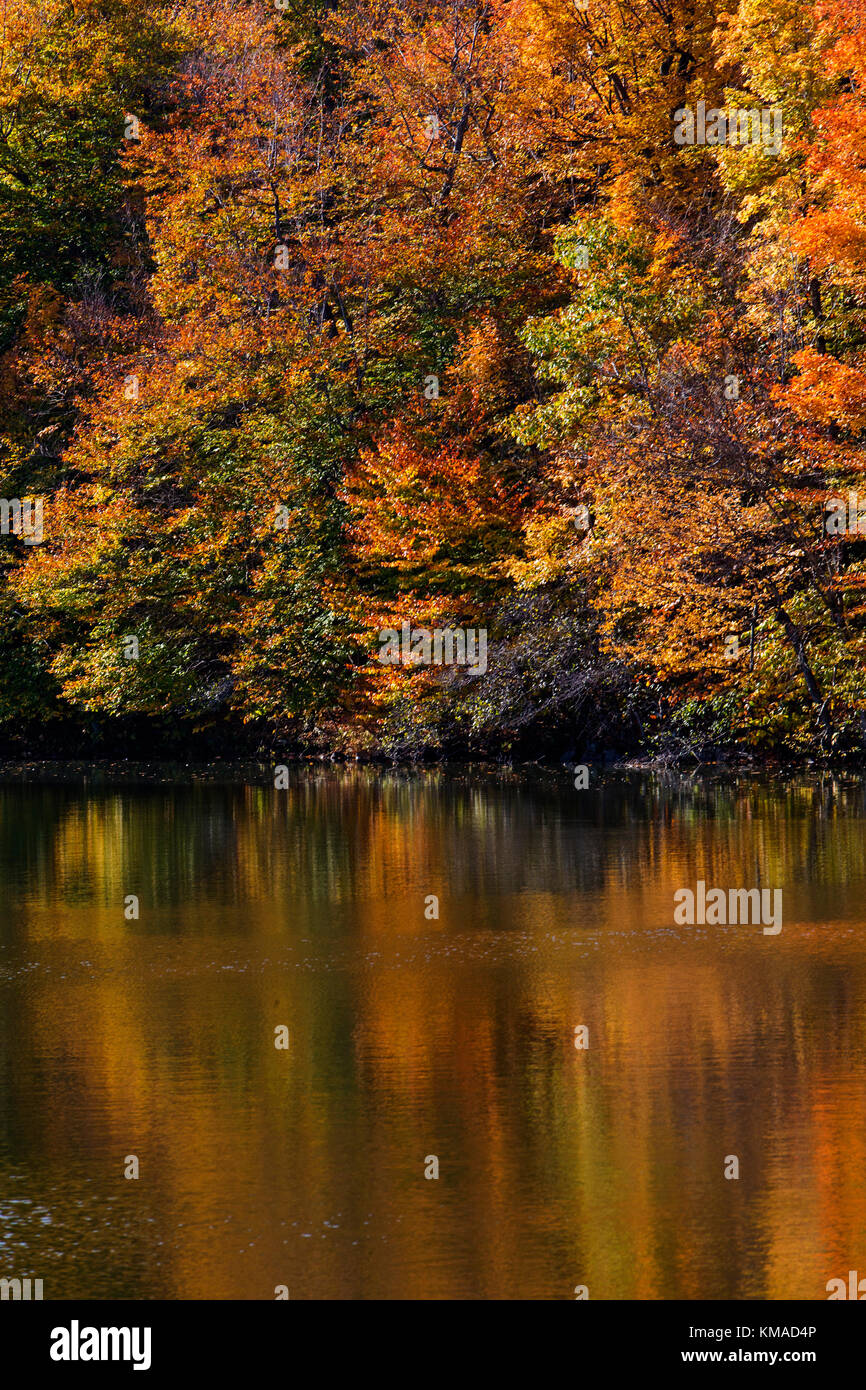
(318,318)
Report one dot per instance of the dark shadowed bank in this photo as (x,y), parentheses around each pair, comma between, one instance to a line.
(550,695)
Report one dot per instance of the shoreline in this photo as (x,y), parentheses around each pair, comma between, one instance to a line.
(259,772)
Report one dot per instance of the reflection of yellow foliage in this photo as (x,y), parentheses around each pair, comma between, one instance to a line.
(455,1037)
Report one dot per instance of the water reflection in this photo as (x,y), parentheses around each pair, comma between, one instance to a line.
(413,1036)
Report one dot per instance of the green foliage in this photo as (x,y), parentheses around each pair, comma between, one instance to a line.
(71,73)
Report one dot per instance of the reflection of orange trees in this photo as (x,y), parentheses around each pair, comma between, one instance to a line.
(455,1037)
(172,1059)
(364,840)
(628,1140)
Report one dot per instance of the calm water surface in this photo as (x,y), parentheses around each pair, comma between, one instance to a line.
(412,1037)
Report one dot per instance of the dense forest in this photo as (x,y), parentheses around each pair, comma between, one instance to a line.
(322,320)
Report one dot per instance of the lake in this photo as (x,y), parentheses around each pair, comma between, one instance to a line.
(599,1158)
